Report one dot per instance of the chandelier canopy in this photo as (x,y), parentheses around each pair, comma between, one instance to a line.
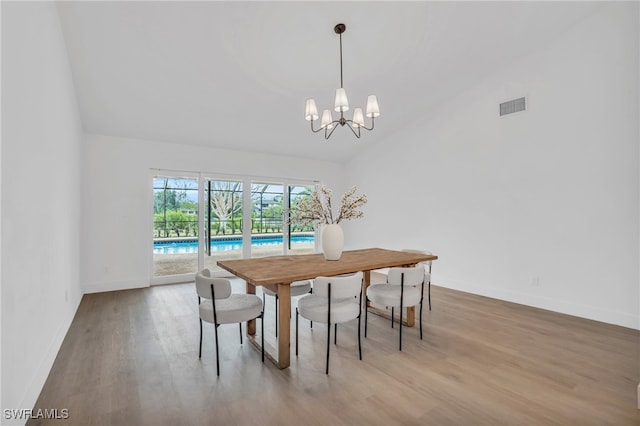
(341,105)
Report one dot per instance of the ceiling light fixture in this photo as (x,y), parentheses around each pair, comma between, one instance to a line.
(341,104)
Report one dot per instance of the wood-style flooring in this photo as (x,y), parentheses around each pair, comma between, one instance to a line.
(131,358)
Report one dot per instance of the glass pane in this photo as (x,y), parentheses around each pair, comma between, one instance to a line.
(301,238)
(266,219)
(223,220)
(175,226)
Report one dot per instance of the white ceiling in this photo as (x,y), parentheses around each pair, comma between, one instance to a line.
(235,74)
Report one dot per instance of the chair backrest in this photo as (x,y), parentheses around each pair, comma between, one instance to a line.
(413,275)
(342,287)
(221,286)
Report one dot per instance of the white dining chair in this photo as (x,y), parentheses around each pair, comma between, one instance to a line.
(404,288)
(427,271)
(334,300)
(297,288)
(218,305)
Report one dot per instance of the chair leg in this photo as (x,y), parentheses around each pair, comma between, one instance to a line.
(240,324)
(392,315)
(421,320)
(215,327)
(328,325)
(335,334)
(276,315)
(359,340)
(264,304)
(262,334)
(429,295)
(200,352)
(400,325)
(296,331)
(328,346)
(401,306)
(311,322)
(366,317)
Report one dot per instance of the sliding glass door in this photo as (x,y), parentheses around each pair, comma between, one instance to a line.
(175,225)
(199,219)
(300,239)
(223,201)
(267,220)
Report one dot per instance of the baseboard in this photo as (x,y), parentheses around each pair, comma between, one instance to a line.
(101,287)
(568,308)
(174,279)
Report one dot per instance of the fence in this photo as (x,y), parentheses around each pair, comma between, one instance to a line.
(189,228)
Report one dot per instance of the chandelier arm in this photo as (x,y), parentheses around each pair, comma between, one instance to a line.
(372,125)
(327,136)
(314,131)
(351,128)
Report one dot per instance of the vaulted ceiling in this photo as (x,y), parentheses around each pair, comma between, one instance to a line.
(236,74)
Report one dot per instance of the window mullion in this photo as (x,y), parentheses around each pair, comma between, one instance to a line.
(247,208)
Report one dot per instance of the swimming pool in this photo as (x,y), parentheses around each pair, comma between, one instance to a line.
(186,247)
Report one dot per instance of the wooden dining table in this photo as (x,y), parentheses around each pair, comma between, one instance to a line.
(278,272)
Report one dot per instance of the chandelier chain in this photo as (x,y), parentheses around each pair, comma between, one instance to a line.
(341,83)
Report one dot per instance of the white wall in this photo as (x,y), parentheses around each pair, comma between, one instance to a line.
(41,148)
(540,207)
(118,198)
(1,224)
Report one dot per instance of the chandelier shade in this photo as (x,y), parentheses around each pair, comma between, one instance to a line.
(358,119)
(341,105)
(373,110)
(327,119)
(310,110)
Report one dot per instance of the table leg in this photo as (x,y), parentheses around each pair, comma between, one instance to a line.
(284,325)
(411,316)
(367,279)
(280,355)
(366,282)
(251,324)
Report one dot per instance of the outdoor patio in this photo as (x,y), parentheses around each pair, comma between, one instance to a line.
(175,264)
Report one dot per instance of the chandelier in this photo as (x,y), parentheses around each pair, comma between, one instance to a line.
(341,105)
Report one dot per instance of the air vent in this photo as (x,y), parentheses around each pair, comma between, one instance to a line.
(510,107)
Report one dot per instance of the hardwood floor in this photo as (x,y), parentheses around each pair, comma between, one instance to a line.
(131,357)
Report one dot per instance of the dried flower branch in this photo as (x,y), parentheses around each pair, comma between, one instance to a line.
(317,207)
(350,204)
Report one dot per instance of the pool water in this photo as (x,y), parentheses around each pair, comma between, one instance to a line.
(187,247)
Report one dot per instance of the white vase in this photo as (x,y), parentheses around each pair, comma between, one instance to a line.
(332,241)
